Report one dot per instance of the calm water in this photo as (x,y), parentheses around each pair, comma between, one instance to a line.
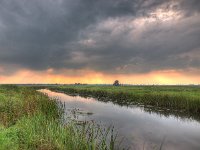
(137,128)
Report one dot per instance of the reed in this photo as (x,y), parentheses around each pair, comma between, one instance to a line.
(176,98)
(30,120)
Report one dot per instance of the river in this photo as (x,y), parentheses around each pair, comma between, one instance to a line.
(137,128)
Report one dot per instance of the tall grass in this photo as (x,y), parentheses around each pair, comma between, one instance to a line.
(30,120)
(175,98)
(38,132)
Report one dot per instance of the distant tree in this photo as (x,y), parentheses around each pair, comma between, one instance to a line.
(116,83)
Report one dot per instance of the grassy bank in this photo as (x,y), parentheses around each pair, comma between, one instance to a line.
(30,120)
(176,98)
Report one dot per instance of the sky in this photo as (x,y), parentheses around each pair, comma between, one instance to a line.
(99,41)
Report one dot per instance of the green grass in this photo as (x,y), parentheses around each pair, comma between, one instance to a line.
(29,120)
(176,98)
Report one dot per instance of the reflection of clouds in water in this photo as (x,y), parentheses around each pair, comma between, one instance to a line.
(135,125)
(64,97)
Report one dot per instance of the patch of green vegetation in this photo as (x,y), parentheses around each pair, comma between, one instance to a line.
(30,120)
(175,98)
(8,138)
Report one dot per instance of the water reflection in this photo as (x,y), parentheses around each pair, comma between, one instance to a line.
(140,127)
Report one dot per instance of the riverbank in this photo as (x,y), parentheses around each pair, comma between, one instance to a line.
(138,129)
(31,120)
(176,99)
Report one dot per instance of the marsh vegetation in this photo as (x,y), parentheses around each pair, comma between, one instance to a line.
(30,120)
(137,127)
(172,99)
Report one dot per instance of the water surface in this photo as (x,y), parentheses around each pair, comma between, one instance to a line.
(138,129)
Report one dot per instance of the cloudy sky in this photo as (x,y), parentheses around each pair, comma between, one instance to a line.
(98,41)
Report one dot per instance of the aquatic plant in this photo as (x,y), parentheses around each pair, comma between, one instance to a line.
(176,98)
(30,120)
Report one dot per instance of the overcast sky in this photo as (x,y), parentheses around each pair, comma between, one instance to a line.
(109,37)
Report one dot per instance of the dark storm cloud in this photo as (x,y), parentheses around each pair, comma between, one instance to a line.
(117,36)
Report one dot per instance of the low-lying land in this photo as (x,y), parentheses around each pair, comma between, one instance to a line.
(184,99)
(30,120)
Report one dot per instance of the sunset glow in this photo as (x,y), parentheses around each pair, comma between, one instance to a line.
(146,42)
(91,77)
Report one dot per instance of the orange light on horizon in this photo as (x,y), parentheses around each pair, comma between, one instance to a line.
(92,77)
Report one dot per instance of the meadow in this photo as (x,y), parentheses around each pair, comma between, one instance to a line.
(30,120)
(175,99)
